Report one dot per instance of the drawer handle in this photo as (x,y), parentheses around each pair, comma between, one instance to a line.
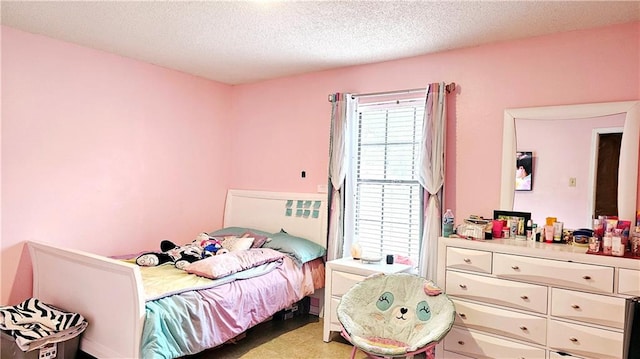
(515,267)
(523,328)
(463,286)
(575,340)
(460,342)
(467,260)
(586,277)
(463,316)
(575,306)
(524,297)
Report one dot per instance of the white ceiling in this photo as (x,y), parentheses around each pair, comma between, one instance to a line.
(238,42)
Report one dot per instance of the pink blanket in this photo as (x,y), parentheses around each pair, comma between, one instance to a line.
(208,318)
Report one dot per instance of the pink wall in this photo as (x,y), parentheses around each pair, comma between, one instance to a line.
(103,153)
(288,119)
(109,155)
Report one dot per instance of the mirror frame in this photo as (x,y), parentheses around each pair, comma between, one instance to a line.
(629,147)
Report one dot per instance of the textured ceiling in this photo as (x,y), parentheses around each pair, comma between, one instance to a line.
(238,42)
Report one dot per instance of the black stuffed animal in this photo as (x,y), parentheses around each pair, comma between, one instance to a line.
(171,253)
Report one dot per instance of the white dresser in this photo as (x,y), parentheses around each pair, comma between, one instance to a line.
(341,275)
(519,299)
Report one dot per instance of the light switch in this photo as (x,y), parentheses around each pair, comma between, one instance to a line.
(572,182)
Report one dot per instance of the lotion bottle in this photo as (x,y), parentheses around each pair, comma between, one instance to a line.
(557,232)
(447,223)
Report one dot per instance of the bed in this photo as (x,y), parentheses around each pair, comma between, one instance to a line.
(110,293)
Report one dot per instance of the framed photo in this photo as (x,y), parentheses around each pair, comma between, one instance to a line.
(524,171)
(517,221)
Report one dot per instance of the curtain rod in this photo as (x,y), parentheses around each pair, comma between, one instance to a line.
(449,88)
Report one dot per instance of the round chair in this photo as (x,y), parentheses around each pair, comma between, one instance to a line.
(395,315)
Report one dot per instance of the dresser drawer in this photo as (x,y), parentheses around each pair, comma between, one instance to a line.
(548,271)
(555,355)
(629,282)
(451,355)
(584,341)
(498,291)
(469,259)
(483,346)
(588,307)
(341,282)
(511,324)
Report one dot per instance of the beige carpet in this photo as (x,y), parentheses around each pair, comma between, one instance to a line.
(295,338)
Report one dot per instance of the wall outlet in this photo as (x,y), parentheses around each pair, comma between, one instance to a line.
(572,182)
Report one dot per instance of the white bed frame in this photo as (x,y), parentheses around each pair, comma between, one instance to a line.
(109,293)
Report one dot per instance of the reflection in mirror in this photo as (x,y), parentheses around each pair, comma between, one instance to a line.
(563,170)
(524,171)
(563,173)
(606,157)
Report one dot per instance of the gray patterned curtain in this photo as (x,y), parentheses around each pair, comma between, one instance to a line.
(342,107)
(431,175)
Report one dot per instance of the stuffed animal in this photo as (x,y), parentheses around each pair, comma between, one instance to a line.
(180,256)
(185,254)
(211,246)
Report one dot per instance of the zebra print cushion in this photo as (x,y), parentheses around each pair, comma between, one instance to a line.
(34,324)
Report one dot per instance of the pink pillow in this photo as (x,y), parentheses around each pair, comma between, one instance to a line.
(258,240)
(233,262)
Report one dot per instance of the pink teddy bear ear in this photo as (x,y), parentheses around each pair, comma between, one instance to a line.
(431,290)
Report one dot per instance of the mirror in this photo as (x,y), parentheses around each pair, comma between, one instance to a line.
(563,175)
(628,164)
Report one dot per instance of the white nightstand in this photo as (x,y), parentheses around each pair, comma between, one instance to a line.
(341,275)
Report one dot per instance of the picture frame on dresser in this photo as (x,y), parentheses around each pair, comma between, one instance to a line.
(521,218)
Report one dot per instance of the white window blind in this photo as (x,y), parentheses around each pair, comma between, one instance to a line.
(385,204)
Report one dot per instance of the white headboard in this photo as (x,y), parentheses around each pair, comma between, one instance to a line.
(299,214)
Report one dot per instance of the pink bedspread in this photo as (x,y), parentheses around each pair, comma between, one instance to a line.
(194,321)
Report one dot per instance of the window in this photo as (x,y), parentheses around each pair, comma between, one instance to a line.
(383,210)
